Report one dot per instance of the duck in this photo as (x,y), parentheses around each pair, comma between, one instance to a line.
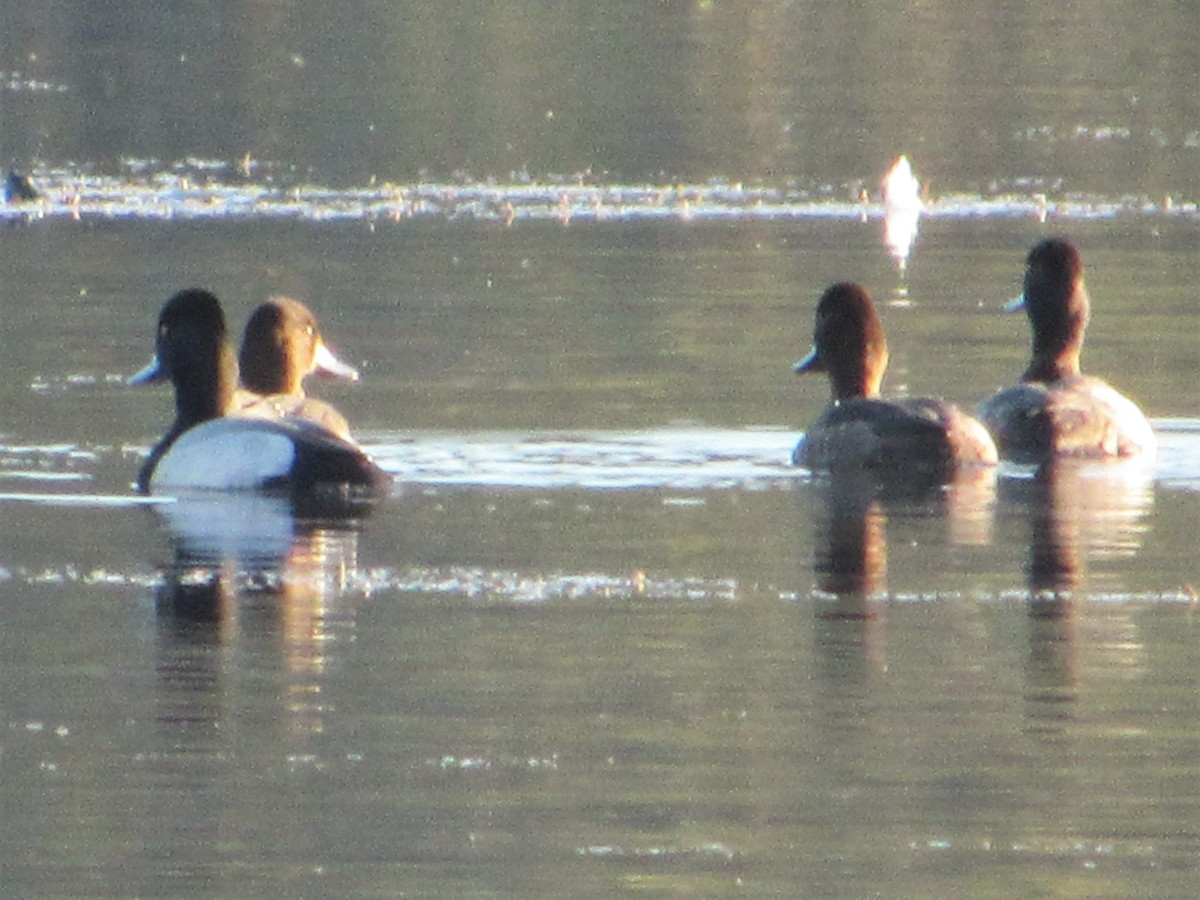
(925,438)
(1056,411)
(210,447)
(281,346)
(18,188)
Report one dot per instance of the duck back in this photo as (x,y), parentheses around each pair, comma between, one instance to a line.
(1080,416)
(275,406)
(924,436)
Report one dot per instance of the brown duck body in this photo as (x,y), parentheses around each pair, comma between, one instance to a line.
(923,437)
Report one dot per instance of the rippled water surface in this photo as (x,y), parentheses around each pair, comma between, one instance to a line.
(602,638)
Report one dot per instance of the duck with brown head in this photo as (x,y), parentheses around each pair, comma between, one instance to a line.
(1056,411)
(281,346)
(919,437)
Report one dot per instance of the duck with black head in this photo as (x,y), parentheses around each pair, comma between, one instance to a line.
(922,438)
(19,188)
(281,346)
(208,448)
(1056,411)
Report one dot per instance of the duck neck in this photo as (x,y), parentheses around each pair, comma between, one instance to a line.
(1053,366)
(1056,350)
(265,367)
(854,388)
(860,380)
(1058,309)
(209,394)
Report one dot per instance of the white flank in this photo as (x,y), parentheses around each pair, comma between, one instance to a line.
(225,454)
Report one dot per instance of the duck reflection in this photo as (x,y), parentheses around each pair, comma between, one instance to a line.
(1075,509)
(850,559)
(242,617)
(251,566)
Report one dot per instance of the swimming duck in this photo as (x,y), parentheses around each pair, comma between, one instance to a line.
(281,346)
(922,437)
(207,448)
(18,188)
(1055,411)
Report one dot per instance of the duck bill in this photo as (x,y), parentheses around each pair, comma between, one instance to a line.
(810,363)
(326,363)
(151,374)
(1016,304)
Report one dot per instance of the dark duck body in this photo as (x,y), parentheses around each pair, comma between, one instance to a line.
(19,188)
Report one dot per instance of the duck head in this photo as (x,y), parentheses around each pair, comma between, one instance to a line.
(1056,301)
(191,350)
(282,345)
(848,343)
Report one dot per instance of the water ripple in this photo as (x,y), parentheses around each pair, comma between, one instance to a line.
(522,587)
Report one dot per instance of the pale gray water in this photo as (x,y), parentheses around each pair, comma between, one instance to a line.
(602,639)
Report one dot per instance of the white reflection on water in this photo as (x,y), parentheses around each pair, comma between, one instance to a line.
(64,499)
(1178,461)
(203,189)
(682,459)
(505,587)
(902,208)
(46,463)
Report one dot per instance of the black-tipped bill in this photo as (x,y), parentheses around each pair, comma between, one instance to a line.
(810,363)
(151,374)
(326,363)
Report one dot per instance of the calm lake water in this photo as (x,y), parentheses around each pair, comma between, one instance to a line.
(602,639)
